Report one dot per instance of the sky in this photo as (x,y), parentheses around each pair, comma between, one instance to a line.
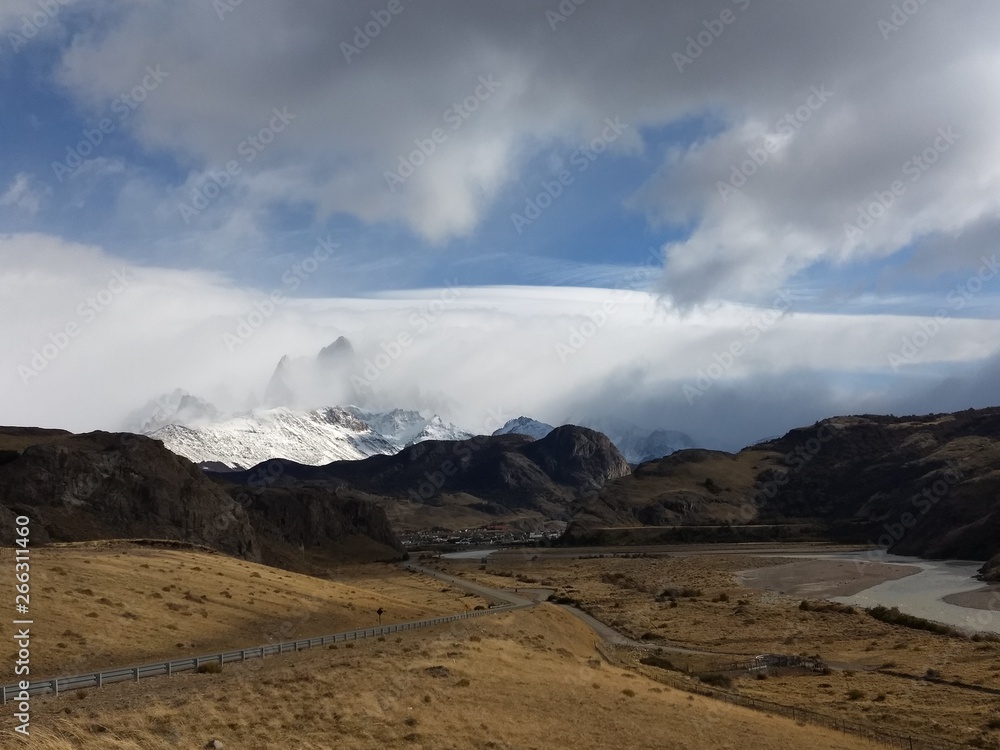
(729,218)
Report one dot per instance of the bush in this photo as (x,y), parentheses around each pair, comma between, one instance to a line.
(717,680)
(212,667)
(855,695)
(656,661)
(723,597)
(894,617)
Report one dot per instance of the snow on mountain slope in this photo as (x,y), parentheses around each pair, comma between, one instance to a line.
(437,429)
(525,426)
(403,427)
(200,433)
(314,437)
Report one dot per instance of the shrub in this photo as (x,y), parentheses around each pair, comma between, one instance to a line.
(656,661)
(894,617)
(628,692)
(717,680)
(723,597)
(855,695)
(212,667)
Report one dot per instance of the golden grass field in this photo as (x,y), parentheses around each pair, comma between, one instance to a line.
(622,592)
(518,681)
(101,605)
(527,679)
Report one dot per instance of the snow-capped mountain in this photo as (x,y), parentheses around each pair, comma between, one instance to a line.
(403,427)
(632,441)
(313,437)
(525,426)
(308,437)
(179,407)
(639,444)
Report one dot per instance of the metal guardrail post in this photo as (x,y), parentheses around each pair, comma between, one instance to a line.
(136,671)
(55,687)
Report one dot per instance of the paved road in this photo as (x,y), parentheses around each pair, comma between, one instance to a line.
(490,594)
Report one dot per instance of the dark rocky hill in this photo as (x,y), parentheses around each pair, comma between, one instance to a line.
(115,485)
(923,485)
(483,478)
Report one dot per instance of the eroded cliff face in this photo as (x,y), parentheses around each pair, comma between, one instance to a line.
(122,486)
(920,485)
(328,523)
(116,485)
(499,475)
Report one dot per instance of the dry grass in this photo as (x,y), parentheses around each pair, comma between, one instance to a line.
(529,681)
(96,606)
(623,593)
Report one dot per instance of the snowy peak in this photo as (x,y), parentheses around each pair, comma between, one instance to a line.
(337,352)
(310,380)
(314,437)
(525,426)
(179,407)
(404,427)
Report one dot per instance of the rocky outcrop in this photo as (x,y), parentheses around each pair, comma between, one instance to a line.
(114,485)
(501,474)
(121,486)
(920,485)
(318,520)
(991,570)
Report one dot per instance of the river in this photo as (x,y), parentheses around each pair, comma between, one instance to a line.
(922,594)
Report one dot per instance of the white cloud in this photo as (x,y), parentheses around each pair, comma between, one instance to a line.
(23,195)
(554,353)
(355,120)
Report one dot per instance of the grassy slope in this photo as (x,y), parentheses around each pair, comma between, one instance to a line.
(521,680)
(98,605)
(622,592)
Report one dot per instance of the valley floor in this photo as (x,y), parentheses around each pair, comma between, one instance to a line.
(535,679)
(672,600)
